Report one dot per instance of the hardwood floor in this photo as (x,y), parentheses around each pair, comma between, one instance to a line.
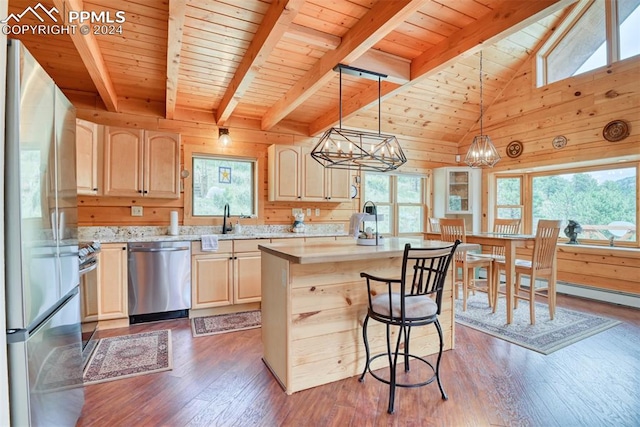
(220,380)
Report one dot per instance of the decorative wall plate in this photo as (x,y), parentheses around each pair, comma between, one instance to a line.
(353,191)
(559,142)
(514,149)
(616,130)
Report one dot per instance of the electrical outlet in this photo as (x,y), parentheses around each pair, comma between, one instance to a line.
(308,212)
(317,212)
(295,211)
(136,210)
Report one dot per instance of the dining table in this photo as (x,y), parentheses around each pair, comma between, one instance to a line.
(510,242)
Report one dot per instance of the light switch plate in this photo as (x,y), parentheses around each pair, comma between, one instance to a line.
(317,212)
(136,210)
(308,212)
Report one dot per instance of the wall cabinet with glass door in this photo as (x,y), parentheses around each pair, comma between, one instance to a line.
(141,163)
(457,193)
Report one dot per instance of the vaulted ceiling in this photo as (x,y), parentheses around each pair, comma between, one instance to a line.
(273,60)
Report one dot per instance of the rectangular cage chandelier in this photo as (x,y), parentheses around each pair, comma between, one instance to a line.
(340,148)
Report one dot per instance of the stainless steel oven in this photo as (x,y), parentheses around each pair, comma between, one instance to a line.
(88,263)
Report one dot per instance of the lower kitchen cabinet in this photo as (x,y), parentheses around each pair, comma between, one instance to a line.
(112,282)
(246,272)
(211,276)
(230,275)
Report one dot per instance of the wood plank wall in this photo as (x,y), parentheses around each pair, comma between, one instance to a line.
(577,108)
(198,130)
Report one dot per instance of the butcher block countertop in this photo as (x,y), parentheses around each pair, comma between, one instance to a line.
(348,250)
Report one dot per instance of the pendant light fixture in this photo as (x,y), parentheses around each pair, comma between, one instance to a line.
(482,151)
(350,149)
(224,138)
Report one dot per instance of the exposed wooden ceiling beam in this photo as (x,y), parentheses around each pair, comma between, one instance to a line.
(361,101)
(312,37)
(507,18)
(274,24)
(397,69)
(174,46)
(381,19)
(87,47)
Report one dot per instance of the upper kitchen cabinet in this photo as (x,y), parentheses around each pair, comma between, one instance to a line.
(139,162)
(321,184)
(457,193)
(285,172)
(295,176)
(88,157)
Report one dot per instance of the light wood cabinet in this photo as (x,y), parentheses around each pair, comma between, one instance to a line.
(211,276)
(112,282)
(246,271)
(295,176)
(231,275)
(88,136)
(141,163)
(285,173)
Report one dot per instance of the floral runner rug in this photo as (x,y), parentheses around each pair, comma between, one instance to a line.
(221,323)
(128,356)
(546,336)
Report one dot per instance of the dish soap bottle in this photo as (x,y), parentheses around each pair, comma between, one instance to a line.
(238,227)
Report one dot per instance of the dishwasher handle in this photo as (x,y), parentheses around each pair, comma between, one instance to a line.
(177,249)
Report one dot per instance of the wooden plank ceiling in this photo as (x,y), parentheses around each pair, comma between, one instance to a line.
(273,60)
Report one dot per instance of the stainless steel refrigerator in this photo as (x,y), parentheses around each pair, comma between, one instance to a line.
(41,246)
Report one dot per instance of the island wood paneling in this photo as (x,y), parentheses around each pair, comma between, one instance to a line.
(314,330)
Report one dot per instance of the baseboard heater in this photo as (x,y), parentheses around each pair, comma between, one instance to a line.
(583,291)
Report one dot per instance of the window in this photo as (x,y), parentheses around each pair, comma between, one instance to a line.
(400,198)
(593,36)
(603,202)
(509,197)
(218,181)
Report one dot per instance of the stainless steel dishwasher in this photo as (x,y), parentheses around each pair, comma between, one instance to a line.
(159,280)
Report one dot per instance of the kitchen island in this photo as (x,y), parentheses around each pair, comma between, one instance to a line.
(314,302)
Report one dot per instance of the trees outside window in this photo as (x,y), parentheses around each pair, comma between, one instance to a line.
(218,181)
(400,198)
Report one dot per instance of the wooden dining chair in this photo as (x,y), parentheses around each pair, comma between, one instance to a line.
(452,229)
(542,265)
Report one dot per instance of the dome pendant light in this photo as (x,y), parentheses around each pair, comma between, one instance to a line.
(482,152)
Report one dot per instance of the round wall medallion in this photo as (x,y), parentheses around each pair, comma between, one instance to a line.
(354,191)
(616,130)
(559,142)
(514,149)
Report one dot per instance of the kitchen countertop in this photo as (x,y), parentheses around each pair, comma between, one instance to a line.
(114,234)
(339,251)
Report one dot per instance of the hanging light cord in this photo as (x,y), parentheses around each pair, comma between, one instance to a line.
(379,102)
(481,106)
(340,96)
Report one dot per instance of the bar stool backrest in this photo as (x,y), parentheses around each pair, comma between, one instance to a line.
(504,226)
(452,229)
(544,247)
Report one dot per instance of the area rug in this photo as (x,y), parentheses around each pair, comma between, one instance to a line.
(221,323)
(128,356)
(545,337)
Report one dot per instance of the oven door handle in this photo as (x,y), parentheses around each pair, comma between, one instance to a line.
(89,268)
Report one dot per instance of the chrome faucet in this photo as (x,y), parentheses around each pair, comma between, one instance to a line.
(225,215)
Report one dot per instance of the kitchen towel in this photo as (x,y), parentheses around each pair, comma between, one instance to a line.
(173,227)
(209,242)
(354,224)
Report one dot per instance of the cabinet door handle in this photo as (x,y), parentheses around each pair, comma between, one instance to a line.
(145,191)
(140,191)
(95,189)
